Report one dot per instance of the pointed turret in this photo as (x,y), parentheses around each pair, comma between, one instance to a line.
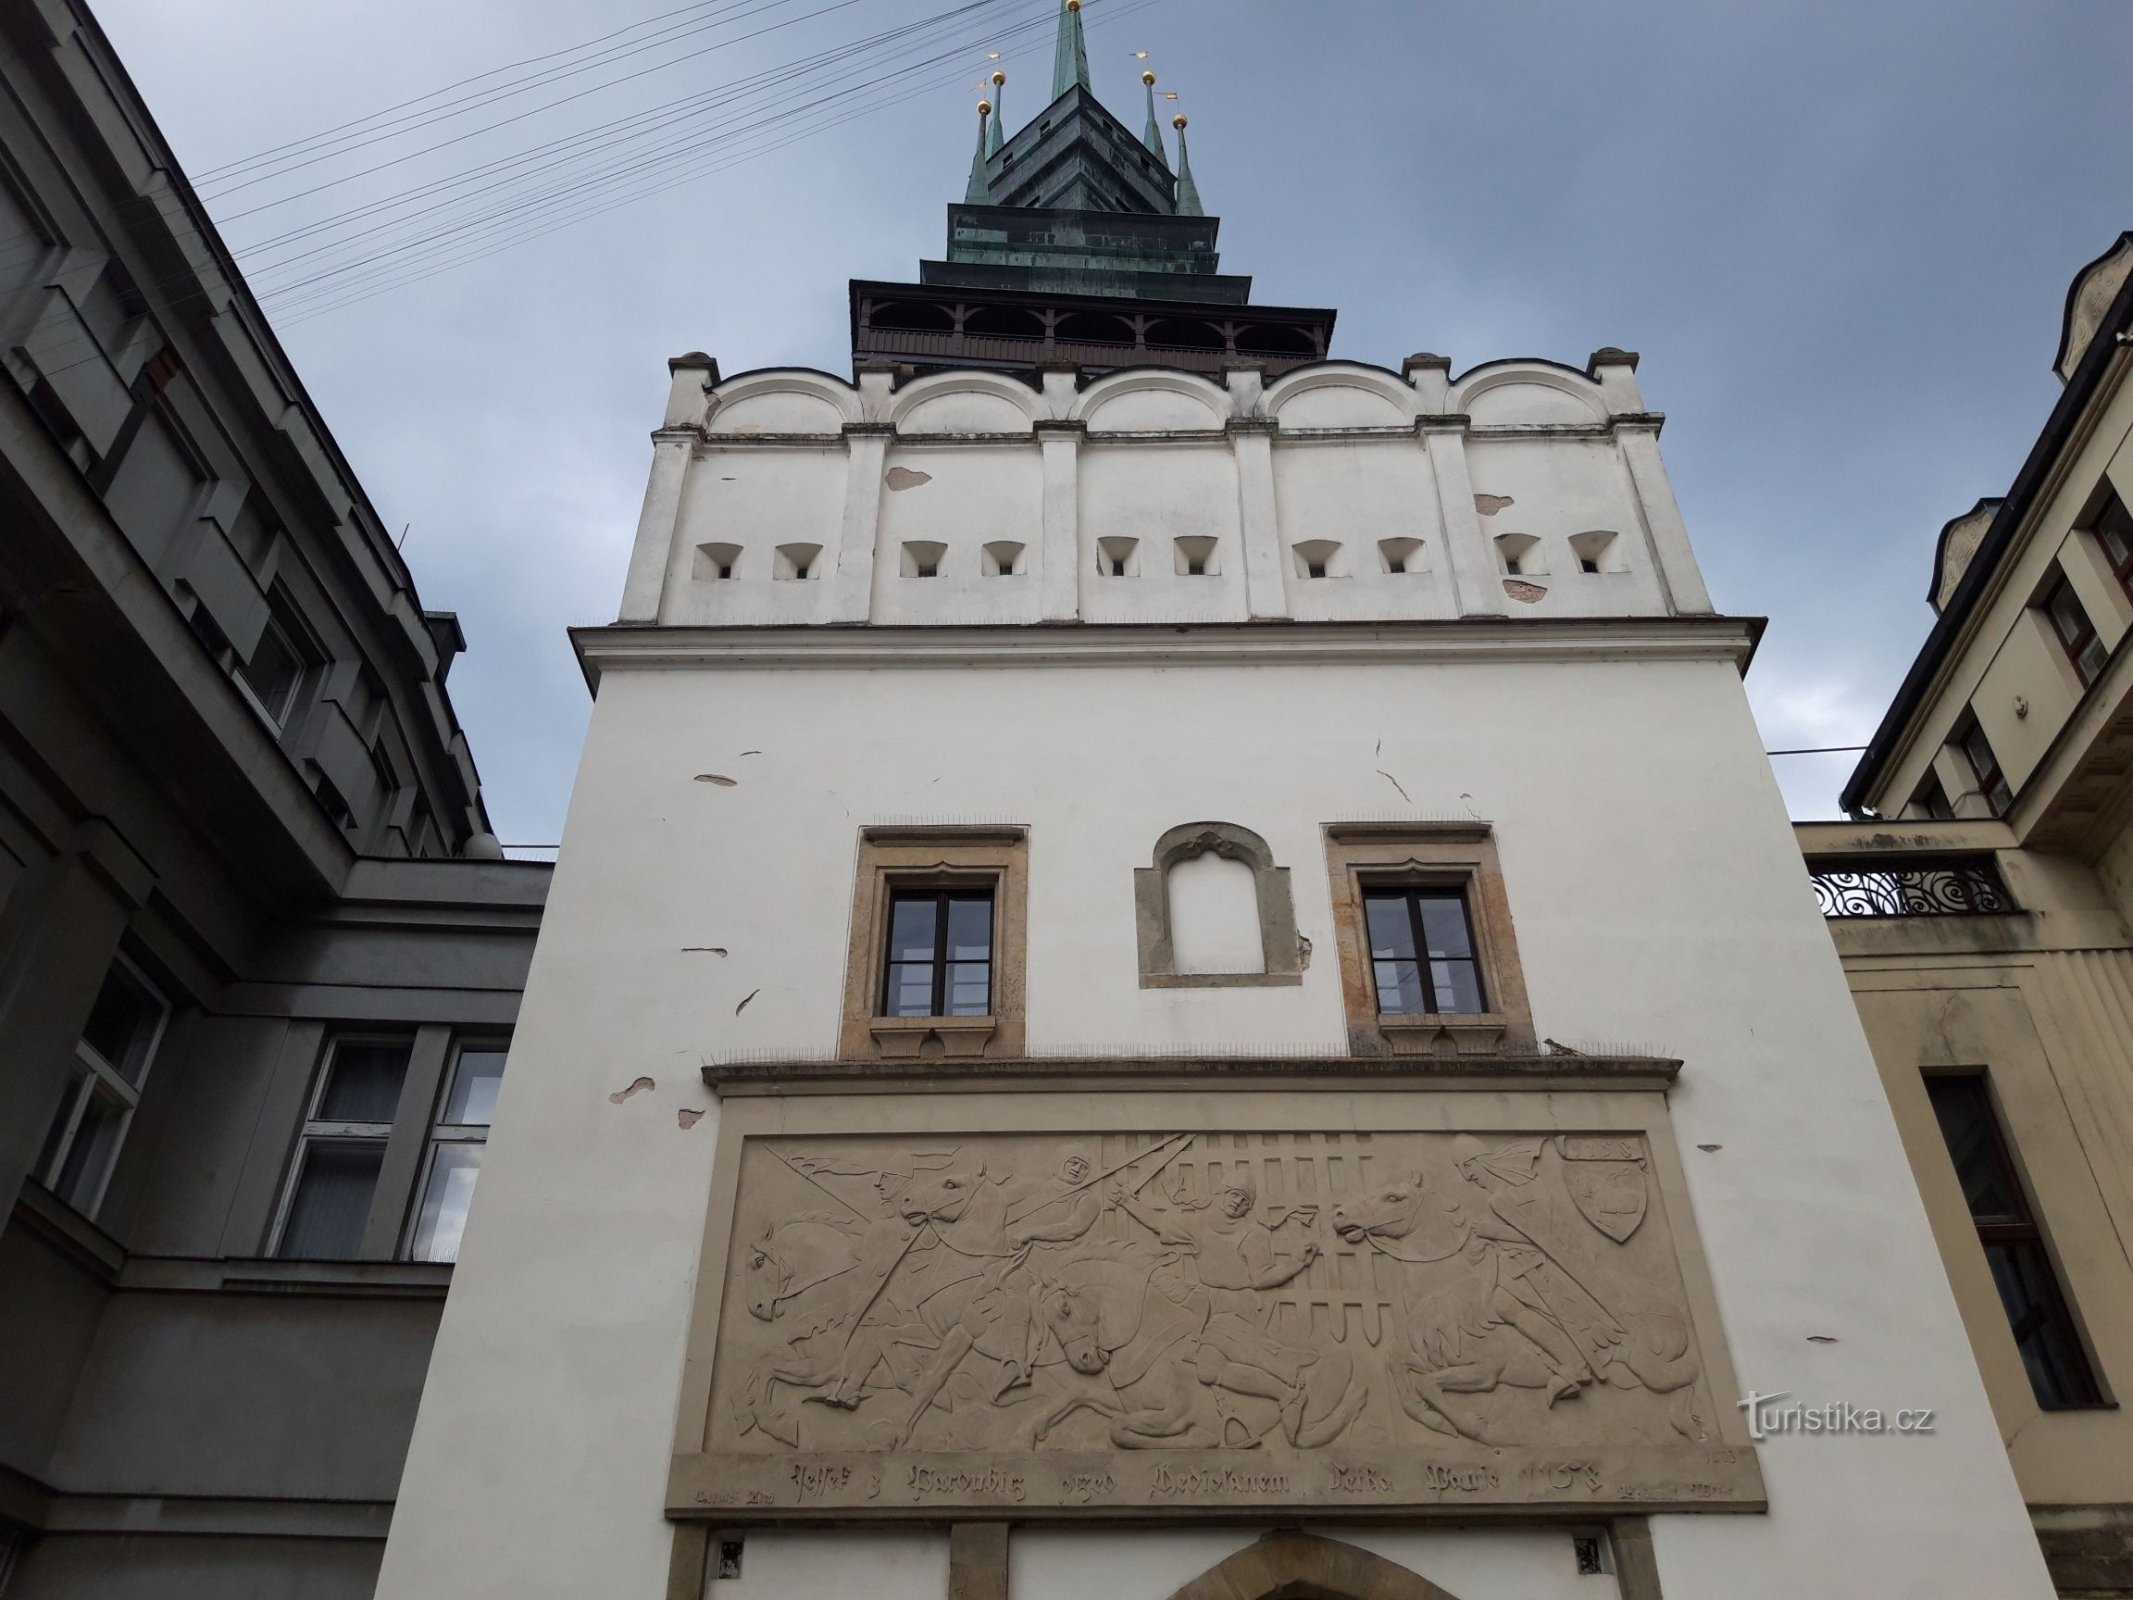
(1070,62)
(976,193)
(999,113)
(1188,191)
(1152,135)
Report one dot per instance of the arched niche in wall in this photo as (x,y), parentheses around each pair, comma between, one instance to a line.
(1269,908)
(1290,1565)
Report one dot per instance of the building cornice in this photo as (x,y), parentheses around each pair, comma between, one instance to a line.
(2102,368)
(1077,1073)
(621,647)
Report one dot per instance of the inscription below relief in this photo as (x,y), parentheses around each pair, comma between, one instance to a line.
(1193,1319)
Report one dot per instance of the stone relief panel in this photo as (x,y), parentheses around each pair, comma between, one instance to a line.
(1252,1319)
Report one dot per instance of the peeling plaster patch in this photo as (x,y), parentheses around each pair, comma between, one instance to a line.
(747,427)
(1489,504)
(1710,1148)
(718,778)
(1527,592)
(1820,1338)
(1303,953)
(905,478)
(1395,782)
(751,752)
(743,1006)
(703,949)
(688,1119)
(638,1087)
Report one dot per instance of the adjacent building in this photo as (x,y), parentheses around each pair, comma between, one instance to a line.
(1981,904)
(259,955)
(1176,972)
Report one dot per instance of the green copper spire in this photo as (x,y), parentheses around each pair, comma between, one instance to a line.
(1188,191)
(1152,136)
(1070,63)
(978,193)
(999,113)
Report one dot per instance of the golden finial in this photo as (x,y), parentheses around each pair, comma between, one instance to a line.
(1073,5)
(984,108)
(1148,78)
(998,78)
(1178,122)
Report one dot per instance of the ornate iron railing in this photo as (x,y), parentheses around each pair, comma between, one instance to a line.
(1943,886)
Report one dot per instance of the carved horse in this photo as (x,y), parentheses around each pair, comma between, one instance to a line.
(1112,1324)
(817,1277)
(972,1289)
(1460,1331)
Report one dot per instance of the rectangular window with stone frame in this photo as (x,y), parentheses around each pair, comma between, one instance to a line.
(1422,928)
(936,961)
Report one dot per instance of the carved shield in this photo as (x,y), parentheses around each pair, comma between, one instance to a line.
(1606,1180)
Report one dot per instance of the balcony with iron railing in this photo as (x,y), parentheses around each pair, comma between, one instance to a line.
(1849,887)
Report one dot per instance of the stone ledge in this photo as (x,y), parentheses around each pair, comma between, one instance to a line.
(1493,1071)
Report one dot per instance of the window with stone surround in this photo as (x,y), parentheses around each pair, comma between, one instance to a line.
(2060,1374)
(1422,928)
(936,960)
(111,1060)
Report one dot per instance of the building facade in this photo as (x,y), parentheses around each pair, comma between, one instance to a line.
(1186,982)
(1981,904)
(259,953)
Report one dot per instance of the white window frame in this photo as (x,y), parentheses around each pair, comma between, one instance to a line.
(443,1133)
(318,1130)
(97,1071)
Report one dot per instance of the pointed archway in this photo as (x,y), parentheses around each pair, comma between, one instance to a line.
(1302,1566)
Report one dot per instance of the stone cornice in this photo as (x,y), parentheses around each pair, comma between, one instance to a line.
(1546,1073)
(1176,643)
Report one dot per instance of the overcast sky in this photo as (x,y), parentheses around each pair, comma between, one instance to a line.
(1839,233)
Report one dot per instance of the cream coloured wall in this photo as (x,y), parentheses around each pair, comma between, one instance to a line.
(2006,653)
(1658,902)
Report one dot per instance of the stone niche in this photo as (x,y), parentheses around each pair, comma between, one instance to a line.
(1162,1302)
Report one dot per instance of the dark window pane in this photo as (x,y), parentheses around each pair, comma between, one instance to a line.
(332,1201)
(479,1074)
(2058,1367)
(911,927)
(1966,1123)
(1444,925)
(1399,986)
(453,1170)
(2114,543)
(272,672)
(970,928)
(910,990)
(363,1083)
(56,1135)
(96,1139)
(1391,934)
(2089,660)
(1457,984)
(2066,613)
(122,1024)
(969,989)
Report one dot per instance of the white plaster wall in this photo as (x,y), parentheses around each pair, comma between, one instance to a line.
(1559,487)
(1159,494)
(1358,491)
(1659,902)
(1136,1564)
(971,495)
(955,458)
(757,499)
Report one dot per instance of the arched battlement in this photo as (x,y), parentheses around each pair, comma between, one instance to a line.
(1527,391)
(1150,399)
(775,400)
